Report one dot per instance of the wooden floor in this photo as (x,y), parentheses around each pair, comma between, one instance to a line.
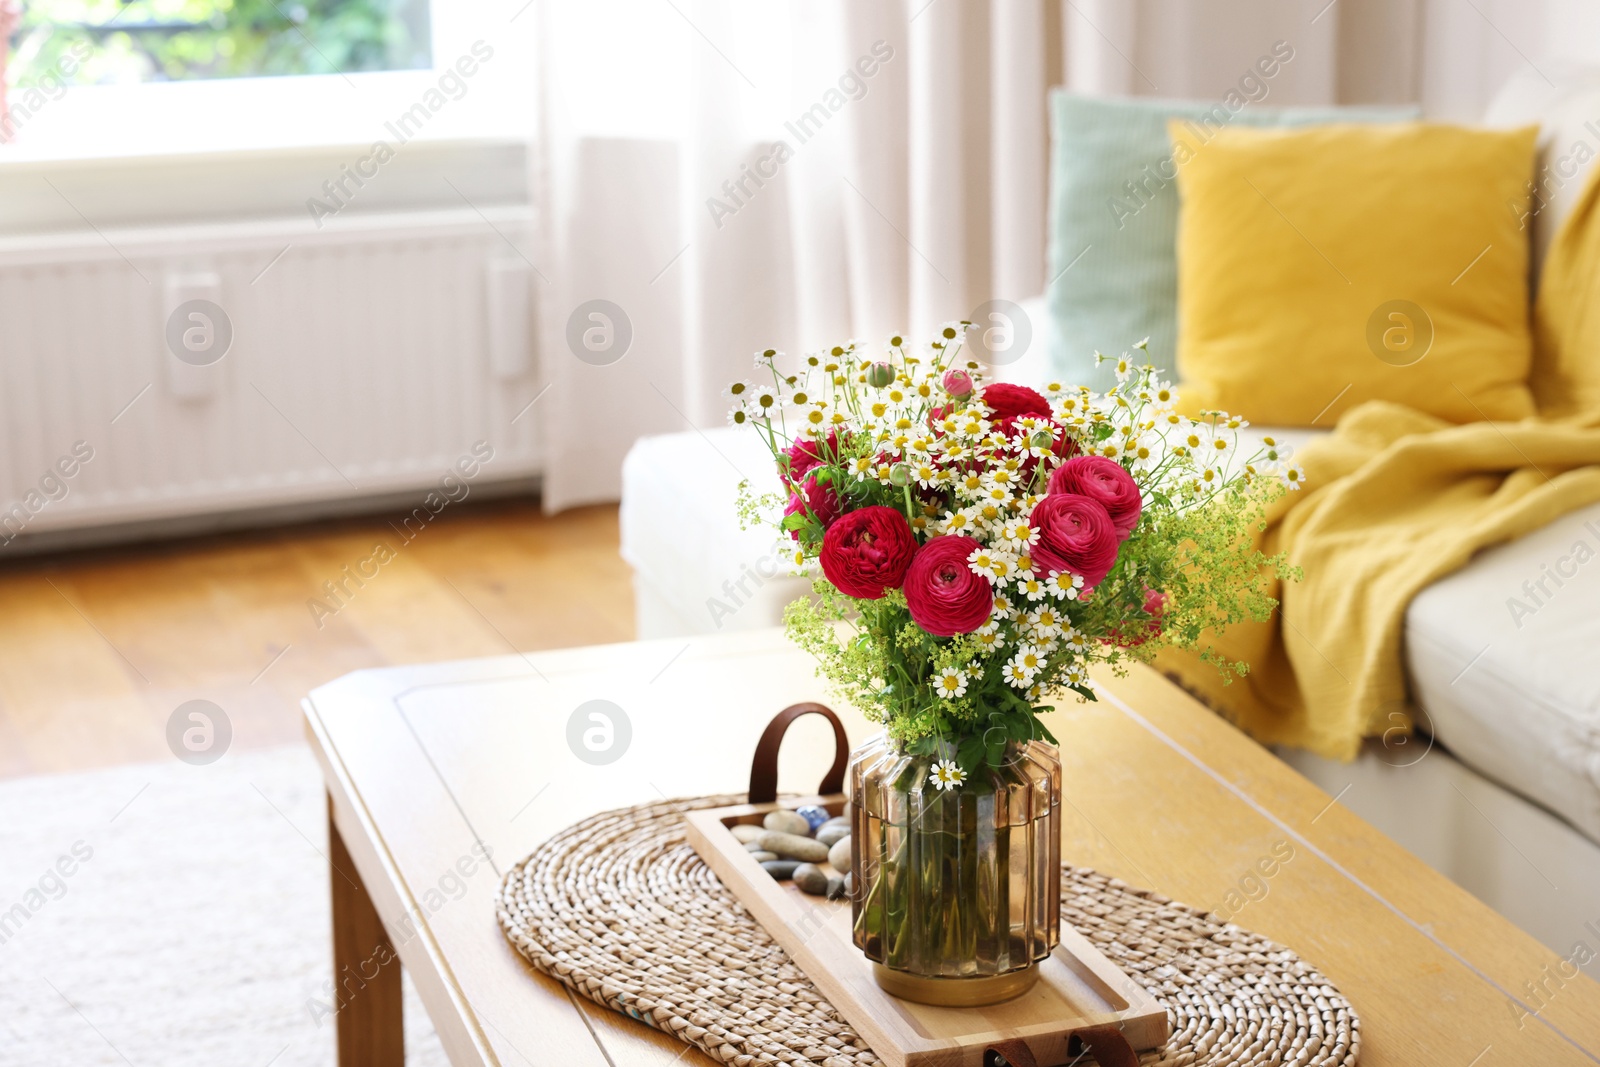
(98,648)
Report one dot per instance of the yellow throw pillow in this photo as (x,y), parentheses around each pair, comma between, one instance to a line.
(1322,267)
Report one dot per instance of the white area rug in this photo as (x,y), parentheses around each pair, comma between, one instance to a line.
(196,931)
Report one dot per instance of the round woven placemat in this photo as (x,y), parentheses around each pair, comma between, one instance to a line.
(622,909)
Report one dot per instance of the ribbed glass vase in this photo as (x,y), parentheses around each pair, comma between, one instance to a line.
(956,893)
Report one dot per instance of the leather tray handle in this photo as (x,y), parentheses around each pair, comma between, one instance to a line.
(764,768)
(1104,1044)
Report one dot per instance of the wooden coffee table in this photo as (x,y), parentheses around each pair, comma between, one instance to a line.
(430,767)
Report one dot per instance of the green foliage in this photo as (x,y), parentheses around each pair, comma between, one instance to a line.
(181,40)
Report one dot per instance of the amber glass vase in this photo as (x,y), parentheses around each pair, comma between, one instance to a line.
(956,893)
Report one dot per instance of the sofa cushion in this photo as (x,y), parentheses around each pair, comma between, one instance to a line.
(1504,657)
(1323,267)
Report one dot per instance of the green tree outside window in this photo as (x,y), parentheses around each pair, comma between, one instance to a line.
(184,40)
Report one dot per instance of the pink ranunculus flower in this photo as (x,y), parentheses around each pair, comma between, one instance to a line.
(807,453)
(868,551)
(958,383)
(945,595)
(1009,402)
(819,499)
(1076,535)
(1155,606)
(1104,480)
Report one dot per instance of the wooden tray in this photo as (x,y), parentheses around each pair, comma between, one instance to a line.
(1078,987)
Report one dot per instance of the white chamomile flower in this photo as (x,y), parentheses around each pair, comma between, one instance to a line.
(946,775)
(1003,607)
(926,474)
(1015,676)
(1076,675)
(969,484)
(1000,482)
(1045,623)
(956,522)
(987,513)
(988,563)
(951,683)
(737,416)
(764,402)
(1019,533)
(1077,639)
(1004,566)
(988,639)
(737,392)
(1030,587)
(1294,476)
(1064,585)
(1030,659)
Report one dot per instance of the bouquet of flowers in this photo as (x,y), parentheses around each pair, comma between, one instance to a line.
(981,545)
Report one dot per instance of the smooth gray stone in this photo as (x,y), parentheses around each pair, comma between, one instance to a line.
(837,887)
(837,820)
(810,879)
(787,822)
(763,856)
(839,855)
(751,845)
(782,870)
(745,833)
(829,835)
(794,847)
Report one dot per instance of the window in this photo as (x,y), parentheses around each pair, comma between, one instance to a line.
(117,42)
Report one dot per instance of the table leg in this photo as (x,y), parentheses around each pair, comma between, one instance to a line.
(366,971)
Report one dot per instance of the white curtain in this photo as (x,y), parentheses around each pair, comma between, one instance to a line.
(734,176)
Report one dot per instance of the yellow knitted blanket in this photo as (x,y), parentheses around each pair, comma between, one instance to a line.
(1395,500)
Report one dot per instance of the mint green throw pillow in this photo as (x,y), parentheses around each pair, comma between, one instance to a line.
(1113,277)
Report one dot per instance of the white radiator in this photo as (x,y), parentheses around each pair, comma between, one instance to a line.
(366,358)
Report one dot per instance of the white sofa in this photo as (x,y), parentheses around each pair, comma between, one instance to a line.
(1503,796)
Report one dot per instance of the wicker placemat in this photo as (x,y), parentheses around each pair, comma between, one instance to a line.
(621,909)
